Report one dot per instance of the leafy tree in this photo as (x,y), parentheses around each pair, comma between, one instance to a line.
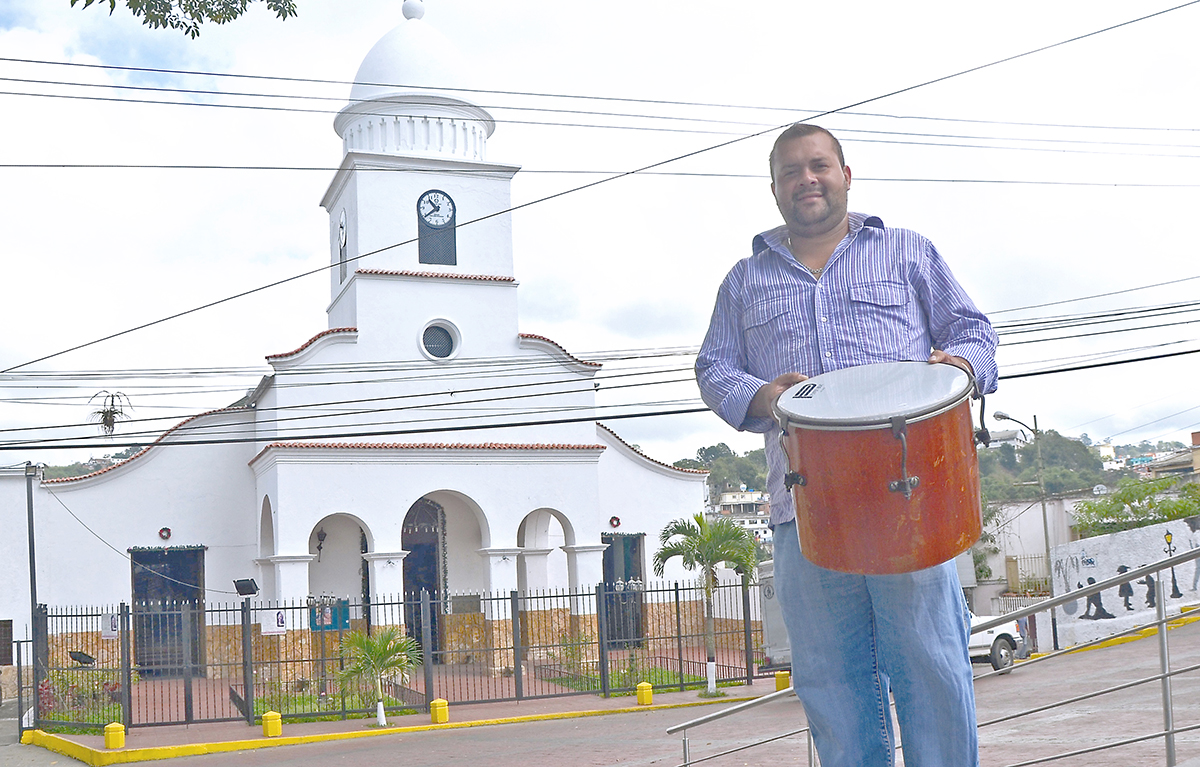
(375,657)
(188,15)
(706,455)
(1136,504)
(688,463)
(704,544)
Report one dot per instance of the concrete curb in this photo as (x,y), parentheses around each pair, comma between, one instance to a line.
(97,757)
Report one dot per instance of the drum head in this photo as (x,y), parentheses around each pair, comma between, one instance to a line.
(869,396)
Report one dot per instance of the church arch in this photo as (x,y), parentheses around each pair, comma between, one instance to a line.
(266,550)
(337,543)
(542,564)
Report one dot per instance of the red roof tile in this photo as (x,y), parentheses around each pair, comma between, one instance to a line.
(146,449)
(648,458)
(426,446)
(438,275)
(310,342)
(560,348)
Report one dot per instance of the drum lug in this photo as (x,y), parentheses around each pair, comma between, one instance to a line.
(791,479)
(906,483)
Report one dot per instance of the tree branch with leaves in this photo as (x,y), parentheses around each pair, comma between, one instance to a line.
(188,15)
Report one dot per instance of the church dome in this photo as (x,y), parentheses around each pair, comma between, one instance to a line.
(407,97)
(413,56)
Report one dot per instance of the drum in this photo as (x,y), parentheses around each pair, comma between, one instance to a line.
(882,466)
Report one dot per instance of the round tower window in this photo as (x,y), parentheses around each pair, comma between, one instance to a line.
(438,341)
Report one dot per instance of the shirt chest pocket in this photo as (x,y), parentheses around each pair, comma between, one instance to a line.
(772,331)
(885,318)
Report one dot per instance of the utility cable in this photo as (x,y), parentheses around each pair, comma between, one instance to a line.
(606,180)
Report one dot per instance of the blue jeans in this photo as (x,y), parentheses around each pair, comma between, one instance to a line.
(854,636)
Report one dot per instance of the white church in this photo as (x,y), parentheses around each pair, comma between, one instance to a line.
(317,498)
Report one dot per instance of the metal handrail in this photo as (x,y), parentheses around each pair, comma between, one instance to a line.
(1168,731)
(743,706)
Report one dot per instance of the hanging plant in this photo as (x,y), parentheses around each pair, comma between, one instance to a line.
(112,409)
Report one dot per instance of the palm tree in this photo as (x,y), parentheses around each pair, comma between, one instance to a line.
(386,653)
(704,544)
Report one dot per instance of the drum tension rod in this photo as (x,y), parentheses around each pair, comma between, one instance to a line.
(906,483)
(791,479)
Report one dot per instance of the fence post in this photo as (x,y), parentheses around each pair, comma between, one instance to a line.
(517,650)
(185,620)
(1164,664)
(39,653)
(427,646)
(20,694)
(247,662)
(342,656)
(602,637)
(126,670)
(748,633)
(679,638)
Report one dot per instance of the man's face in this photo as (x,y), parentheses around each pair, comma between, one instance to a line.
(810,185)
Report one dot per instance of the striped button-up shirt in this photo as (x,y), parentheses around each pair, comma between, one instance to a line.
(885,295)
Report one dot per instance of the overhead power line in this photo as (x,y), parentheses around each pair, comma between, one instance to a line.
(651,166)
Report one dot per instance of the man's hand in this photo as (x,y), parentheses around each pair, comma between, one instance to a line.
(940,357)
(764,398)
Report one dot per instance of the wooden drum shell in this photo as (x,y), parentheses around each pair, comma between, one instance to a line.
(847,518)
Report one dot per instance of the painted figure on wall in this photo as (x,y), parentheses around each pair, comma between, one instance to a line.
(1148,582)
(1095,605)
(1125,590)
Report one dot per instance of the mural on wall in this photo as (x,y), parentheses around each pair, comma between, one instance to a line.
(1083,563)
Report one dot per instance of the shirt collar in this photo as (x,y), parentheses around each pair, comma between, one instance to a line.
(774,239)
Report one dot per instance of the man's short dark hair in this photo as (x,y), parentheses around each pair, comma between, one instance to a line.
(799,130)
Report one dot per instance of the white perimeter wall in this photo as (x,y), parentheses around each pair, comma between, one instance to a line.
(1100,557)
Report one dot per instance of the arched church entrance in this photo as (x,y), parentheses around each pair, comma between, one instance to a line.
(423,536)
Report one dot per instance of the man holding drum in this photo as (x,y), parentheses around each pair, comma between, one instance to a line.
(830,290)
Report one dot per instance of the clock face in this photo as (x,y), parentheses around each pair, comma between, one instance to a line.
(436,208)
(342,231)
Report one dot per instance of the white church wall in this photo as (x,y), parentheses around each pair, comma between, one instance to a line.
(378,486)
(204,496)
(347,202)
(14,548)
(484,313)
(646,496)
(1100,558)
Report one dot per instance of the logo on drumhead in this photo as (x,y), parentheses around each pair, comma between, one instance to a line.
(805,391)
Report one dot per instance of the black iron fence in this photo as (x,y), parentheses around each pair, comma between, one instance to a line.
(159,663)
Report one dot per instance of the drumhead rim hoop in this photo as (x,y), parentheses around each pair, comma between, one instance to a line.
(788,420)
(917,417)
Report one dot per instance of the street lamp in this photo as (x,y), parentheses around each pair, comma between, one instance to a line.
(1037,442)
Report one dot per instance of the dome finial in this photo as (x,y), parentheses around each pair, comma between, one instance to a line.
(413,9)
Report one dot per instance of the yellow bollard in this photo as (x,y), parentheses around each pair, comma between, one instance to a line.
(114,735)
(272,724)
(645,693)
(439,711)
(783,680)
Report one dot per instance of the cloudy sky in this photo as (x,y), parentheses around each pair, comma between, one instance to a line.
(1063,180)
